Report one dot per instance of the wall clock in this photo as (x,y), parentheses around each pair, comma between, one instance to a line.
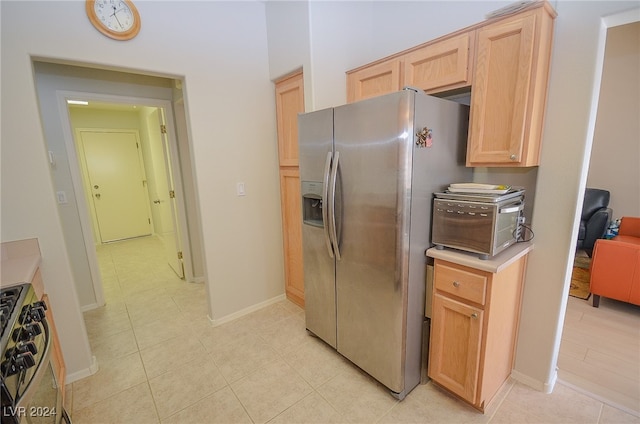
(117,19)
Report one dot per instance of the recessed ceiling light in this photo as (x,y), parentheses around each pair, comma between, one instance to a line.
(77,102)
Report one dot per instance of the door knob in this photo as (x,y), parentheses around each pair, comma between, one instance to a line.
(97,195)
(156,201)
(96,186)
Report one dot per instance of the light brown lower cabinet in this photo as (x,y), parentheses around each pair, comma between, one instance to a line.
(474,328)
(56,351)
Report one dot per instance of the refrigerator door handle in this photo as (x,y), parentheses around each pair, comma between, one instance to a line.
(332,205)
(325,207)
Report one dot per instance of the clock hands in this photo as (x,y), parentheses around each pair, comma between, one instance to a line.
(114,14)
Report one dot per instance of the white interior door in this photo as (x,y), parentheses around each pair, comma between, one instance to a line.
(117,184)
(165,201)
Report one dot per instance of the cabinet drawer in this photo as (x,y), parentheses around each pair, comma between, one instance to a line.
(459,282)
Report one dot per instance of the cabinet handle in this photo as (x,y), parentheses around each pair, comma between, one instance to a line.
(474,315)
(513,157)
(456,284)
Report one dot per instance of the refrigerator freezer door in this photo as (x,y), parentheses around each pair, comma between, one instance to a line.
(315,139)
(374,138)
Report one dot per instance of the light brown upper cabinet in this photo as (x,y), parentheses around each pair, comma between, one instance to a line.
(381,78)
(504,61)
(509,90)
(443,65)
(440,65)
(289,101)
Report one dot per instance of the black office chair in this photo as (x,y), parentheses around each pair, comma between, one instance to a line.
(595,219)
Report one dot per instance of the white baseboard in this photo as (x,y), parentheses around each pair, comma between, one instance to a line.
(199,280)
(246,311)
(89,307)
(545,387)
(78,375)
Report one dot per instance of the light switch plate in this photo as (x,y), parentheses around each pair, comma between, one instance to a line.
(62,197)
(240,189)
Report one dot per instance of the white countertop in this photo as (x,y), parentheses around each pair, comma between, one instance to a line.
(493,264)
(20,261)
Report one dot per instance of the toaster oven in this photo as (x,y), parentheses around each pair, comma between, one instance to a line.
(479,223)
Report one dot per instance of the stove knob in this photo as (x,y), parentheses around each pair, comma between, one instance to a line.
(37,312)
(33,312)
(26,332)
(24,361)
(8,368)
(40,304)
(25,315)
(18,363)
(24,347)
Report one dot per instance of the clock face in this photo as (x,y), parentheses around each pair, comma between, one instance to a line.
(118,19)
(115,15)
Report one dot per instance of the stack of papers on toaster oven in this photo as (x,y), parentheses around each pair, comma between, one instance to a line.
(478,188)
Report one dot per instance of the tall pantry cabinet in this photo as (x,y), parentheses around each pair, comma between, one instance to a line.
(290,102)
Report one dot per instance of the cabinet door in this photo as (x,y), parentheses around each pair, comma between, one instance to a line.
(454,358)
(375,80)
(289,102)
(440,66)
(500,94)
(56,350)
(292,223)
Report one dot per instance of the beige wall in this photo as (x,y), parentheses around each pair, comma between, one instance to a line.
(615,155)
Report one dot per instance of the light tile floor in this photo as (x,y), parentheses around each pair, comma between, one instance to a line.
(600,350)
(160,361)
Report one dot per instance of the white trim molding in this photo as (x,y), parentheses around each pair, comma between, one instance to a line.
(246,311)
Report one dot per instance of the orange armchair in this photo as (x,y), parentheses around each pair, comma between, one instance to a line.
(615,265)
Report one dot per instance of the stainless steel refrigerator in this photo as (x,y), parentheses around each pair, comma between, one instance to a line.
(368,172)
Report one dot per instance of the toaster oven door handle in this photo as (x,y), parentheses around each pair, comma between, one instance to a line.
(512,208)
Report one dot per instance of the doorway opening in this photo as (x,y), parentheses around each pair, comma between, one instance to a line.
(599,347)
(127,174)
(136,108)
